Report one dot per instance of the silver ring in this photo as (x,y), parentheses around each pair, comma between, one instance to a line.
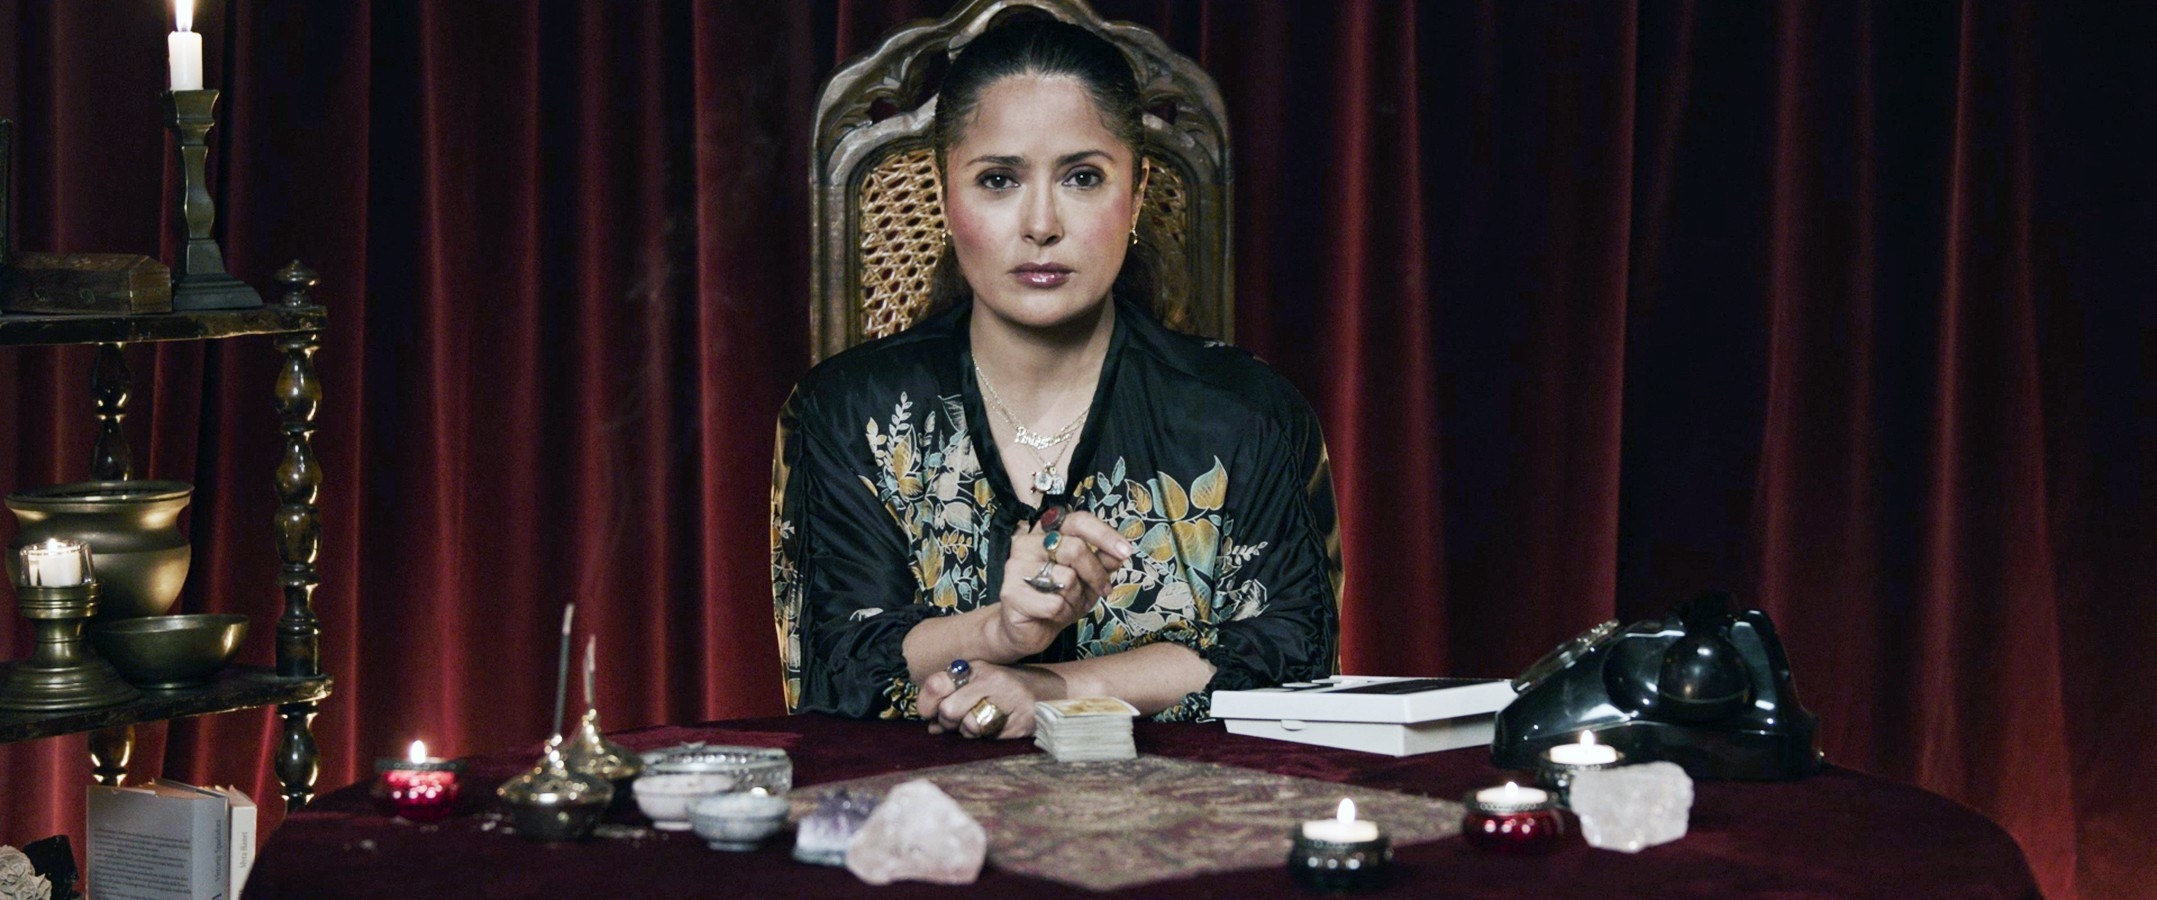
(961,673)
(1041,581)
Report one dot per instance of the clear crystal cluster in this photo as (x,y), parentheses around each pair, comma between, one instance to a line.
(1632,808)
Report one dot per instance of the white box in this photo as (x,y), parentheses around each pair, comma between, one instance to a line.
(1393,715)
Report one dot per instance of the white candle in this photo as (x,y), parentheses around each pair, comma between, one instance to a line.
(1343,828)
(55,563)
(1512,795)
(1585,753)
(183,48)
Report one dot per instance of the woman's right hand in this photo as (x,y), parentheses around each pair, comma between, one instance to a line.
(1030,618)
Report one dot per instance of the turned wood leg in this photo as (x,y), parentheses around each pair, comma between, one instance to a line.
(110,458)
(299,541)
(109,752)
(297,760)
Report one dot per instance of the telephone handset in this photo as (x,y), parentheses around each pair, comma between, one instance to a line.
(1707,688)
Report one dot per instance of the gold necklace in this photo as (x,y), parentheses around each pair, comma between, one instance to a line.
(1047,481)
(1027,436)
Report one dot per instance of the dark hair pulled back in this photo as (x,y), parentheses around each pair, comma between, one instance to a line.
(1030,43)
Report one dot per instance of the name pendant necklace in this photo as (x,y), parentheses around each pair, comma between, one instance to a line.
(1048,480)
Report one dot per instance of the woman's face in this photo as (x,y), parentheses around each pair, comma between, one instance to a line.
(1041,199)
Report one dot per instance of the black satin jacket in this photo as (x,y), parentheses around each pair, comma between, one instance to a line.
(889,506)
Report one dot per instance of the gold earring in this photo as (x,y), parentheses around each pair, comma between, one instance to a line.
(1134,235)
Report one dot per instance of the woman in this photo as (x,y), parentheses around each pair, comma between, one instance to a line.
(1039,491)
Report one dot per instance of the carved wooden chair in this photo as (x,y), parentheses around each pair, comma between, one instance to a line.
(878,224)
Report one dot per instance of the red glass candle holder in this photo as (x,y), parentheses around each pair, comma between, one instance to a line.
(418,790)
(1529,822)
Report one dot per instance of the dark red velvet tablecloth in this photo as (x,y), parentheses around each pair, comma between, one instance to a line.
(1838,834)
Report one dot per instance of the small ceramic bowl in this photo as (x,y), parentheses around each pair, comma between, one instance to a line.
(665,796)
(738,821)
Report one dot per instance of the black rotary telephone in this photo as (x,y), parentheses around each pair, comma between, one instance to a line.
(1706,688)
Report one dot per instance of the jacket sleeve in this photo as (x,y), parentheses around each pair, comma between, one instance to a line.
(843,589)
(1277,598)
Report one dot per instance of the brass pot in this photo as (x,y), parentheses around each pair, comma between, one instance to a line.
(133,529)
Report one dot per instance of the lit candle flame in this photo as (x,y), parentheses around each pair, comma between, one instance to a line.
(1512,792)
(183,14)
(1347,812)
(1587,738)
(418,753)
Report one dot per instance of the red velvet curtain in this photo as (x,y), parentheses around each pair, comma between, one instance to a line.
(1841,306)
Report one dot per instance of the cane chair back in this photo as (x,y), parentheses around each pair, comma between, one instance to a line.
(879,224)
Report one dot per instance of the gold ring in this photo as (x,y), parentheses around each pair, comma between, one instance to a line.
(1050,540)
(988,718)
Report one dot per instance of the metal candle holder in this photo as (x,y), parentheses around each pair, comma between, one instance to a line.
(61,672)
(199,279)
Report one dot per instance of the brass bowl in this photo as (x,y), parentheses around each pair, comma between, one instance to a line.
(169,652)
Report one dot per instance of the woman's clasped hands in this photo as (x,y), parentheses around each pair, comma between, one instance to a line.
(1056,572)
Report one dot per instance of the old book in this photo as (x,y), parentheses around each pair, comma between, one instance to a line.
(85,283)
(160,841)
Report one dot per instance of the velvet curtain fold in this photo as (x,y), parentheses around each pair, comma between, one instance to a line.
(1842,306)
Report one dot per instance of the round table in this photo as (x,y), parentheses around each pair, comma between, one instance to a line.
(1837,834)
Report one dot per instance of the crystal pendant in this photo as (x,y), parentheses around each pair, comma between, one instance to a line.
(1048,481)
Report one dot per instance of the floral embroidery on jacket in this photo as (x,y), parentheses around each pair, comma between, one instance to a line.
(1187,578)
(785,586)
(931,483)
(1187,575)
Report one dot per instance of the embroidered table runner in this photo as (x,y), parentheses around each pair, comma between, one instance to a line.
(1110,825)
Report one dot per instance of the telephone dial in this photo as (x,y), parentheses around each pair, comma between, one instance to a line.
(1706,688)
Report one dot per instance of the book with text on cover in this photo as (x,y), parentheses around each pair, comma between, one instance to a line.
(164,840)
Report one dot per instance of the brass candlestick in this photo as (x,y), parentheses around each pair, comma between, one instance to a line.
(61,672)
(199,279)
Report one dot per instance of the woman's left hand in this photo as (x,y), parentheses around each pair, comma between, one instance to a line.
(1012,689)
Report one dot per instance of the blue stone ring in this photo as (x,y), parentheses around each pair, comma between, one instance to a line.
(961,673)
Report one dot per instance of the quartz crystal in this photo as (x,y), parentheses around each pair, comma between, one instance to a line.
(825,832)
(1631,808)
(918,834)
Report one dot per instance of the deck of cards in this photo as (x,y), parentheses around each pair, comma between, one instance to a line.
(1088,729)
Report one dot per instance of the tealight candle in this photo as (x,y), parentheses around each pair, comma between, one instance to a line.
(1585,753)
(1343,853)
(1343,828)
(419,787)
(1512,819)
(1557,766)
(55,563)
